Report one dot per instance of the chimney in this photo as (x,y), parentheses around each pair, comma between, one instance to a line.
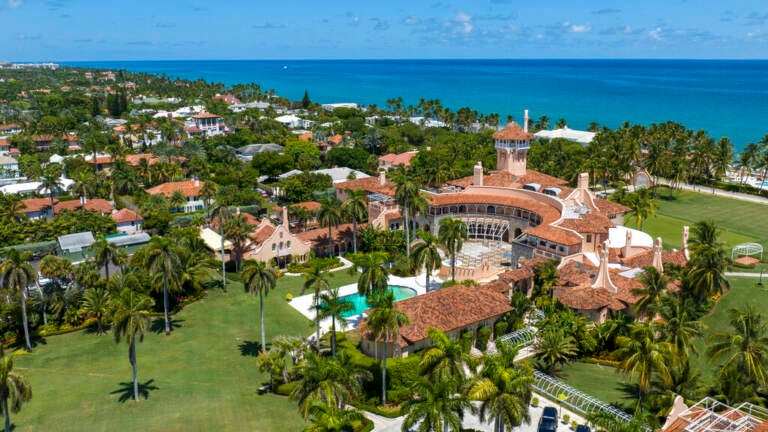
(525,122)
(626,251)
(603,279)
(382,178)
(684,245)
(583,182)
(237,211)
(657,256)
(478,181)
(285,218)
(197,183)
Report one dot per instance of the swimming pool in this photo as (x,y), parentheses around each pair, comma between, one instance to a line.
(358,301)
(447,262)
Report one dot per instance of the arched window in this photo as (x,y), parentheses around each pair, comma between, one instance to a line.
(274,246)
(491,210)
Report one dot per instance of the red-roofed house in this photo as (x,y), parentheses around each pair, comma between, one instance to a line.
(392,160)
(230,99)
(189,188)
(454,310)
(127,220)
(10,129)
(206,124)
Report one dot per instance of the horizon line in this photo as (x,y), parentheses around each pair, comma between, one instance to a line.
(405,59)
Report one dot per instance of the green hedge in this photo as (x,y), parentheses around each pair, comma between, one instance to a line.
(50,330)
(393,413)
(39,249)
(483,335)
(286,389)
(326,263)
(466,341)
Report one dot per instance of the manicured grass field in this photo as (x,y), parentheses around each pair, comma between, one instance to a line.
(201,378)
(741,221)
(603,382)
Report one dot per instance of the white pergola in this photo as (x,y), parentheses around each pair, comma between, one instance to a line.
(748,249)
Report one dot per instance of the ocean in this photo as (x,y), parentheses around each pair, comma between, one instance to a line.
(723,97)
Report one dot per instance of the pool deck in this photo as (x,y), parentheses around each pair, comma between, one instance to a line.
(304,303)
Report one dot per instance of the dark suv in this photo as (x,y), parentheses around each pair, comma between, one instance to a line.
(582,428)
(548,421)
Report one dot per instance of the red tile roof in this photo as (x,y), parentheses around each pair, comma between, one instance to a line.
(512,131)
(126,215)
(190,188)
(319,236)
(205,116)
(449,309)
(37,204)
(336,139)
(575,288)
(96,205)
(393,159)
(368,184)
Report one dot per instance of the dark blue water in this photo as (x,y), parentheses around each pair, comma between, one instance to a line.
(723,97)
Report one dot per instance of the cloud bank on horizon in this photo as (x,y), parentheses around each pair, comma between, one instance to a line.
(57,30)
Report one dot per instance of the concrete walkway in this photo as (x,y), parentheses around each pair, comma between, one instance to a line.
(717,192)
(345,264)
(740,274)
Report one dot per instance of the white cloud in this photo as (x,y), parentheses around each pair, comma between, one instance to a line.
(655,33)
(13,4)
(412,20)
(580,28)
(464,22)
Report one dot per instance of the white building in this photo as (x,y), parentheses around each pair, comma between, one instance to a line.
(333,106)
(32,187)
(342,174)
(291,121)
(581,137)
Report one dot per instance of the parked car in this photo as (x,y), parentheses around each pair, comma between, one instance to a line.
(583,428)
(548,420)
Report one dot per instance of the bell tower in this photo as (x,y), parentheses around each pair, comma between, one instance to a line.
(512,144)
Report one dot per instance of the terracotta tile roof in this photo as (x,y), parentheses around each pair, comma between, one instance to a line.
(368,184)
(96,205)
(311,206)
(205,116)
(190,188)
(305,136)
(589,223)
(319,236)
(336,139)
(498,286)
(403,159)
(449,309)
(645,258)
(696,414)
(4,142)
(554,234)
(134,159)
(262,233)
(7,127)
(126,215)
(37,204)
(519,199)
(228,98)
(512,131)
(575,288)
(505,179)
(100,160)
(610,208)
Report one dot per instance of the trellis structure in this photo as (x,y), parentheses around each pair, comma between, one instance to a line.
(522,337)
(573,398)
(710,415)
(748,249)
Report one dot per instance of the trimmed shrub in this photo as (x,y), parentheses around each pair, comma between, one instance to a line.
(326,263)
(401,373)
(39,249)
(285,389)
(483,335)
(500,328)
(466,341)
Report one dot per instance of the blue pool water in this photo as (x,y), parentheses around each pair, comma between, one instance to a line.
(401,293)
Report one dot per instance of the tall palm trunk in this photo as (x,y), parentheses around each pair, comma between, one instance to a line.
(354,234)
(106,270)
(24,319)
(453,262)
(134,366)
(43,305)
(384,370)
(330,241)
(407,234)
(7,415)
(165,307)
(317,323)
(261,316)
(333,336)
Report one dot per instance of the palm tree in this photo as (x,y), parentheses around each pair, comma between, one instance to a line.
(50,184)
(709,261)
(356,207)
(130,319)
(106,253)
(56,269)
(375,274)
(744,349)
(238,231)
(554,347)
(330,381)
(408,196)
(221,211)
(642,421)
(643,205)
(259,278)
(162,260)
(503,388)
(643,355)
(208,191)
(84,185)
(654,287)
(96,302)
(332,306)
(329,216)
(427,254)
(177,200)
(11,207)
(436,406)
(445,360)
(17,275)
(316,279)
(452,233)
(14,387)
(678,326)
(389,319)
(330,418)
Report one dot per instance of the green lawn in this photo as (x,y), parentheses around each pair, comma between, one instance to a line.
(603,382)
(670,229)
(202,377)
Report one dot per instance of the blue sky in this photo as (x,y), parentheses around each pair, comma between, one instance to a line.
(57,30)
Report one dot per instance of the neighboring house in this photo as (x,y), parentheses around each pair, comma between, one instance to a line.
(43,142)
(5,145)
(34,187)
(37,208)
(230,99)
(392,160)
(317,239)
(127,220)
(270,241)
(454,310)
(291,121)
(9,170)
(10,129)
(246,153)
(342,174)
(97,205)
(581,137)
(189,188)
(205,124)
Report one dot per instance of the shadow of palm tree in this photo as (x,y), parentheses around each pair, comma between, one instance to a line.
(126,390)
(35,339)
(158,325)
(250,348)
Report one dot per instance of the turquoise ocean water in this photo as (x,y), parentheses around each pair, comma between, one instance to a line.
(726,98)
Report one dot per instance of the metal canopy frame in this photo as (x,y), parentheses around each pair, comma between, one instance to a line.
(748,249)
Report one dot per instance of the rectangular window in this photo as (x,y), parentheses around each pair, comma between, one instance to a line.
(589,238)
